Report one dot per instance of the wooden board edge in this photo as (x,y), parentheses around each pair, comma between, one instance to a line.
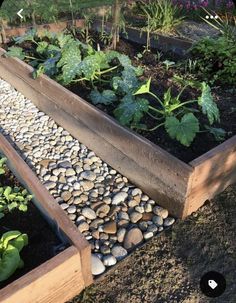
(226,146)
(54,287)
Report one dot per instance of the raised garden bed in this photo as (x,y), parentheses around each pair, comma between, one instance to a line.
(174,45)
(180,187)
(54,27)
(62,276)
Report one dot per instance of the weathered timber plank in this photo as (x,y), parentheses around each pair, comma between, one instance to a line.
(55,281)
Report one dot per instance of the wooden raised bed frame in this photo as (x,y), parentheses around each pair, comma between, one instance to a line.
(55,27)
(65,275)
(175,45)
(181,188)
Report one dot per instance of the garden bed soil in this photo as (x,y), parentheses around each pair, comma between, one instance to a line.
(43,243)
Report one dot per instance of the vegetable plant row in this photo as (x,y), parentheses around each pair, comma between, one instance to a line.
(112,81)
(11,242)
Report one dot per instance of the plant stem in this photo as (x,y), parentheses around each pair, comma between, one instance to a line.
(107,70)
(182,104)
(33,58)
(156,127)
(156,110)
(155,97)
(154,116)
(79,80)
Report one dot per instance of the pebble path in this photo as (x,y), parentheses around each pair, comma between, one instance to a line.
(113,214)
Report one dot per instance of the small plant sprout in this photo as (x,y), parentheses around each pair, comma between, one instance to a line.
(168,64)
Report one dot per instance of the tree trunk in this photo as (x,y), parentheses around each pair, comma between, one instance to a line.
(115,25)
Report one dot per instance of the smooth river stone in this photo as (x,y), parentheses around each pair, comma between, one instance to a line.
(132,238)
(97,266)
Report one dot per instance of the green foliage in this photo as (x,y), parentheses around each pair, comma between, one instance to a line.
(216,60)
(106,97)
(168,64)
(113,80)
(131,110)
(2,165)
(177,116)
(11,244)
(46,10)
(12,198)
(218,133)
(162,15)
(183,130)
(17,52)
(208,105)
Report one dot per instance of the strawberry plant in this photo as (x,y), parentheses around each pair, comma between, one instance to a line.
(11,244)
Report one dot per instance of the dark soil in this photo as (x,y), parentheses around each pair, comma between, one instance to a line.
(43,243)
(169,267)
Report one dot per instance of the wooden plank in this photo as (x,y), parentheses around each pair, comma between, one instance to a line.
(55,281)
(179,46)
(213,172)
(53,27)
(159,174)
(47,204)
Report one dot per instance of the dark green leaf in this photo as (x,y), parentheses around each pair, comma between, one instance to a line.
(183,130)
(208,105)
(218,133)
(131,110)
(106,97)
(15,51)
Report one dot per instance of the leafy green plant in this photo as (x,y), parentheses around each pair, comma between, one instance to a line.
(226,26)
(2,165)
(162,15)
(216,60)
(168,64)
(176,116)
(12,198)
(11,244)
(113,80)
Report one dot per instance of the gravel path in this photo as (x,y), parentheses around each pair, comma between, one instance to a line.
(168,268)
(113,214)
